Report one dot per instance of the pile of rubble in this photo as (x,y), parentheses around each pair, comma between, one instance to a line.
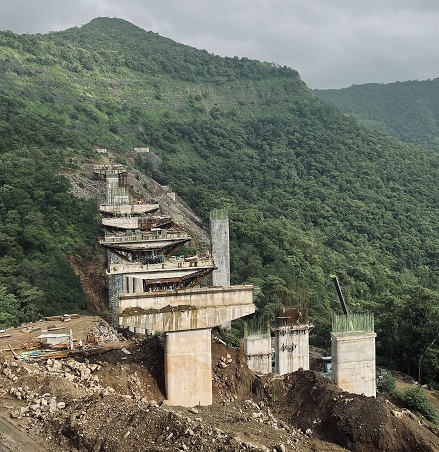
(231,377)
(75,401)
(114,402)
(37,405)
(69,405)
(105,332)
(225,361)
(145,425)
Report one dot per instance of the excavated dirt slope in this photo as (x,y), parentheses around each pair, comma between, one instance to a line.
(114,402)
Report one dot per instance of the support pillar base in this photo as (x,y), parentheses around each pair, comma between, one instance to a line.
(188,367)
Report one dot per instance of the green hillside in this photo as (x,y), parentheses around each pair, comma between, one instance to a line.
(406,110)
(310,191)
(40,223)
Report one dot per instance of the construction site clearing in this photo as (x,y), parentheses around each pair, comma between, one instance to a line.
(59,337)
(108,395)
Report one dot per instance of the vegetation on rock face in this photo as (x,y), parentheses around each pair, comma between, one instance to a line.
(309,191)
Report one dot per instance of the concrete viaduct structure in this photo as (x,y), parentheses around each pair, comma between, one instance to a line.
(151,290)
(186,317)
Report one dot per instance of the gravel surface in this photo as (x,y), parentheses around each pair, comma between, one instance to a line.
(115,402)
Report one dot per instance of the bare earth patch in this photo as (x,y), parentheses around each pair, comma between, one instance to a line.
(114,401)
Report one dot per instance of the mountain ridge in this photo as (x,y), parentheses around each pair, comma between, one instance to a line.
(407,110)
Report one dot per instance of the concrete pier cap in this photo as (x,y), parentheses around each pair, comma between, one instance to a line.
(186,317)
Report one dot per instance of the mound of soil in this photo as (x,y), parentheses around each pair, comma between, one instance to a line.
(115,401)
(314,404)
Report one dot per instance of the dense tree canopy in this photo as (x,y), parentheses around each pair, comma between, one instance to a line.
(40,222)
(407,110)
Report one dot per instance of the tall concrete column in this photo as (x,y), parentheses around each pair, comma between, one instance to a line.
(353,362)
(112,183)
(114,288)
(188,367)
(219,236)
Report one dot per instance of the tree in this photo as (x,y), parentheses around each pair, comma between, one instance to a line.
(418,325)
(9,308)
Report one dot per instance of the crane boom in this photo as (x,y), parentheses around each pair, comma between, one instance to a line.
(340,295)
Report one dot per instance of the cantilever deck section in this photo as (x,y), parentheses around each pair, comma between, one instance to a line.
(128,209)
(168,275)
(186,317)
(185,309)
(143,223)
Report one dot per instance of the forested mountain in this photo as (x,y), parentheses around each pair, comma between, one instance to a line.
(406,110)
(309,190)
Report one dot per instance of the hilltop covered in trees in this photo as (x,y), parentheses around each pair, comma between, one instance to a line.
(406,110)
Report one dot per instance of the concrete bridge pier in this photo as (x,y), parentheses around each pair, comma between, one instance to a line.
(186,317)
(257,349)
(353,353)
(353,362)
(291,349)
(188,367)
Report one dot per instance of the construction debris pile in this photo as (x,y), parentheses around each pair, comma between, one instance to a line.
(105,332)
(115,401)
(231,377)
(73,374)
(60,337)
(75,411)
